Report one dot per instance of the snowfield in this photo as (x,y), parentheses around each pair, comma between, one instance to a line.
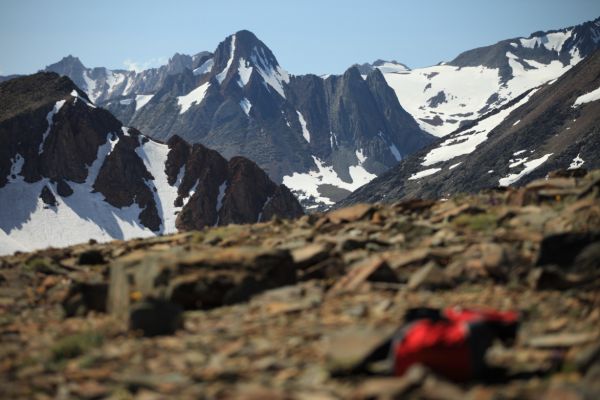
(30,224)
(194,97)
(442,96)
(529,166)
(466,142)
(594,95)
(304,185)
(84,215)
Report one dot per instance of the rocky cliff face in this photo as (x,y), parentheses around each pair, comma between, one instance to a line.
(555,126)
(222,192)
(69,171)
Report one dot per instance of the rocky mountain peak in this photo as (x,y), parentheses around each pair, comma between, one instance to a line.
(66,63)
(254,50)
(39,90)
(178,62)
(382,65)
(352,73)
(240,56)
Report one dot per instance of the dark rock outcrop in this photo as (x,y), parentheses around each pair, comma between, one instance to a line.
(122,180)
(48,197)
(223,192)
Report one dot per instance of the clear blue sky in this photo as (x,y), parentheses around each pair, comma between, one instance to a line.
(306,36)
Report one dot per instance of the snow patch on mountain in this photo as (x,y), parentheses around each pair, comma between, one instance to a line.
(220,198)
(260,214)
(594,95)
(57,106)
(305,132)
(32,224)
(273,75)
(333,139)
(361,156)
(205,67)
(388,67)
(424,173)
(552,41)
(470,92)
(114,80)
(194,97)
(467,90)
(16,167)
(306,185)
(393,148)
(76,95)
(154,155)
(466,142)
(524,79)
(244,71)
(223,74)
(141,100)
(576,163)
(529,167)
(246,106)
(90,87)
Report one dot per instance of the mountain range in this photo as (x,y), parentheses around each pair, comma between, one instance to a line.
(325,136)
(494,116)
(70,171)
(322,137)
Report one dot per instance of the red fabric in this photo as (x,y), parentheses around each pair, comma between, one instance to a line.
(458,314)
(440,345)
(444,345)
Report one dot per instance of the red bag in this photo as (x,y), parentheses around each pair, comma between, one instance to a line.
(452,343)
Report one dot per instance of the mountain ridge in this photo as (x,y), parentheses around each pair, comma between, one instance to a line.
(69,167)
(553,127)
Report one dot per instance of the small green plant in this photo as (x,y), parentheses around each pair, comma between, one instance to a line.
(476,222)
(39,264)
(75,345)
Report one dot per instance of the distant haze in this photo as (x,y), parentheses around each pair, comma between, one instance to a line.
(307,37)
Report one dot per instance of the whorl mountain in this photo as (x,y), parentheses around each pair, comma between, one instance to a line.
(70,171)
(553,127)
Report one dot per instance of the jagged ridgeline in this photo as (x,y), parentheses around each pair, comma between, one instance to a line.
(70,171)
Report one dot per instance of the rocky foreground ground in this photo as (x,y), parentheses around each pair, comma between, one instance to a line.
(287,309)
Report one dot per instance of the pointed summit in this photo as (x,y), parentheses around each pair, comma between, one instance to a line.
(242,53)
(72,67)
(66,65)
